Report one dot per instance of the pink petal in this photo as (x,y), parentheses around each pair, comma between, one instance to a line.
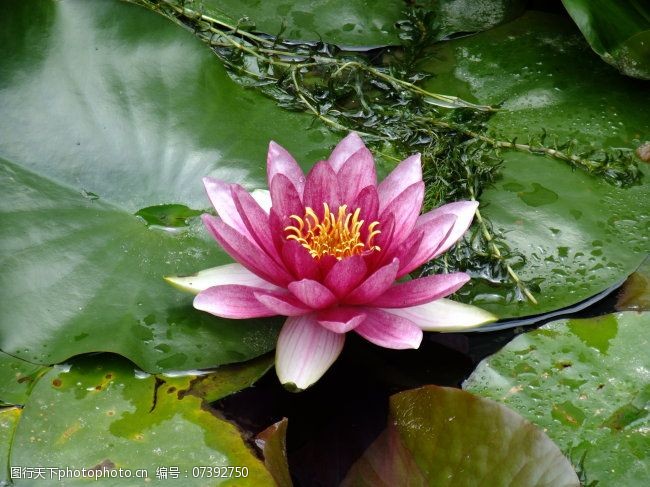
(345,275)
(368,202)
(312,293)
(256,221)
(405,208)
(279,161)
(444,315)
(277,230)
(218,276)
(375,285)
(246,252)
(282,303)
(420,291)
(286,200)
(321,187)
(408,248)
(299,262)
(388,330)
(357,173)
(407,172)
(220,196)
(340,320)
(325,264)
(305,351)
(341,153)
(232,301)
(430,237)
(464,212)
(385,242)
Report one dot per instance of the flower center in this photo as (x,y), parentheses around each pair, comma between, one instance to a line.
(340,235)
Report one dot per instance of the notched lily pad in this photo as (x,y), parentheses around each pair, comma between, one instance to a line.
(97,414)
(586,383)
(447,437)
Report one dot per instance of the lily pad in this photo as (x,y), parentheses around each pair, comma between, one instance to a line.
(618,31)
(98,415)
(272,442)
(578,234)
(586,383)
(229,379)
(109,109)
(17,378)
(354,22)
(441,436)
(9,418)
(635,292)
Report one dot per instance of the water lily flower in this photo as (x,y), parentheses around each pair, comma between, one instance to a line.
(329,250)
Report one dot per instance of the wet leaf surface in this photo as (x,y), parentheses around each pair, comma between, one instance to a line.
(9,418)
(585,382)
(440,436)
(17,378)
(618,31)
(354,22)
(577,234)
(99,413)
(229,379)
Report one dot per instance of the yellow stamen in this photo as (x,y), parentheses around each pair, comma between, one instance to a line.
(337,235)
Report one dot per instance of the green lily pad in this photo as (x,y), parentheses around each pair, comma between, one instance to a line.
(618,31)
(99,415)
(578,234)
(272,442)
(17,378)
(168,216)
(229,379)
(108,110)
(585,382)
(9,418)
(441,436)
(353,22)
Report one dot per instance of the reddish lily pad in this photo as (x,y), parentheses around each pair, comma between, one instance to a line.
(586,383)
(272,442)
(635,293)
(447,437)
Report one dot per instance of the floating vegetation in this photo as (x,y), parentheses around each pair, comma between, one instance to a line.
(376,94)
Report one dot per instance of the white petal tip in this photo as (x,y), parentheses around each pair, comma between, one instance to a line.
(445,315)
(217,276)
(184,283)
